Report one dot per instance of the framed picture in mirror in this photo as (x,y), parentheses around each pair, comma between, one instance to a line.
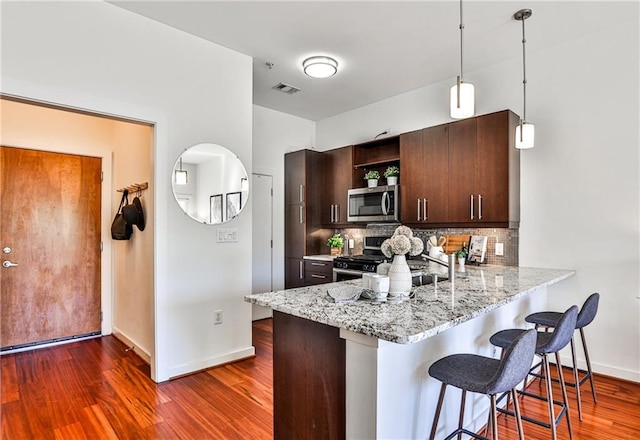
(234,203)
(215,208)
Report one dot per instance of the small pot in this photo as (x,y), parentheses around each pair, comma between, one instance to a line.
(392,180)
(372,183)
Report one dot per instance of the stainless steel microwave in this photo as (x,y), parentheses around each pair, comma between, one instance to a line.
(377,204)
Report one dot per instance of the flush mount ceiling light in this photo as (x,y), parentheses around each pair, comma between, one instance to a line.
(462,94)
(181,175)
(320,67)
(524,130)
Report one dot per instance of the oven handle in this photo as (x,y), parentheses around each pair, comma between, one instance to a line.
(348,271)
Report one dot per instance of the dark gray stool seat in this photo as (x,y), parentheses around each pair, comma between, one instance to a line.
(585,317)
(546,344)
(480,374)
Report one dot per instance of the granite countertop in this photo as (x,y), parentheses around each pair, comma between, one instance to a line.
(431,309)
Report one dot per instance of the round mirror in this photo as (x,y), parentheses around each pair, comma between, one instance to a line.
(210,183)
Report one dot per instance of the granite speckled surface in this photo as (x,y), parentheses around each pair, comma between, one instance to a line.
(323,257)
(431,310)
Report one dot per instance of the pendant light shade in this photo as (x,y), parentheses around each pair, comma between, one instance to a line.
(524,135)
(181,175)
(462,100)
(524,131)
(462,103)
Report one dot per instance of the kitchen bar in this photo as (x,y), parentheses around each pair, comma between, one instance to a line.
(381,351)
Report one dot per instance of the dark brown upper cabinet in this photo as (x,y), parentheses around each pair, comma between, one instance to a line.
(337,180)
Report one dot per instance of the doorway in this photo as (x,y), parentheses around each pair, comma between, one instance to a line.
(262,245)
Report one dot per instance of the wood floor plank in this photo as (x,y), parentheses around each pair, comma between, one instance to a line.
(96,390)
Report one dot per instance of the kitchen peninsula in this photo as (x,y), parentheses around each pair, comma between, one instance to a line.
(359,370)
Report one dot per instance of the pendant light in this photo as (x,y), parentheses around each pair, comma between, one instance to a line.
(181,175)
(462,93)
(524,130)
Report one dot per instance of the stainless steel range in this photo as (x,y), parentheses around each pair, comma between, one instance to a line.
(353,266)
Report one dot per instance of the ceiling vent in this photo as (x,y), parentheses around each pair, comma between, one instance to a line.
(286,88)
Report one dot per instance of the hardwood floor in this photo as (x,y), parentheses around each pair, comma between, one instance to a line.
(95,390)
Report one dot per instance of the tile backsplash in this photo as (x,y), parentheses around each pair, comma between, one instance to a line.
(509,238)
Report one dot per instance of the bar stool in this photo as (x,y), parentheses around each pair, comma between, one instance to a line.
(547,343)
(585,317)
(484,375)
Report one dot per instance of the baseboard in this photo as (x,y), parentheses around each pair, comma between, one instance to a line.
(192,367)
(133,345)
(606,370)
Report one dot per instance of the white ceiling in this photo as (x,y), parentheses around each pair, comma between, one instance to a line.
(383,48)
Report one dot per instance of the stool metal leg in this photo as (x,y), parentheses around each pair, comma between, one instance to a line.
(516,410)
(563,387)
(575,378)
(434,427)
(494,418)
(586,355)
(547,380)
(461,418)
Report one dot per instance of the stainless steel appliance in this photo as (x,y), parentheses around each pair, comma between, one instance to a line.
(378,204)
(352,267)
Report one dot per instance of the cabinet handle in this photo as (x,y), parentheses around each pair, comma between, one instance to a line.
(471,206)
(331,220)
(301,214)
(337,213)
(318,264)
(418,209)
(301,270)
(425,209)
(479,206)
(301,193)
(313,275)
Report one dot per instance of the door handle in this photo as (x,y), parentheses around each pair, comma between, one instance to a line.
(425,209)
(471,206)
(479,206)
(418,209)
(301,214)
(8,264)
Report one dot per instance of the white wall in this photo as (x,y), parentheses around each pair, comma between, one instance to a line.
(579,186)
(100,57)
(274,134)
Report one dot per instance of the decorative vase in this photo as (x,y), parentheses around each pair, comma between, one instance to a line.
(461,261)
(372,183)
(392,180)
(399,278)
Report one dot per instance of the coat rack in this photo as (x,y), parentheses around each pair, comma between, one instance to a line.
(135,187)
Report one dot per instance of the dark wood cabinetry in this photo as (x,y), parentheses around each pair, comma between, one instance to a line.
(424,176)
(303,234)
(484,171)
(309,379)
(465,173)
(337,180)
(375,155)
(317,272)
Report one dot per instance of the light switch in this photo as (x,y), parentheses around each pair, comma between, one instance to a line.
(227,235)
(499,249)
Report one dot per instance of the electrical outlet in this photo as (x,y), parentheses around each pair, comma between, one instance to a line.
(499,249)
(217,317)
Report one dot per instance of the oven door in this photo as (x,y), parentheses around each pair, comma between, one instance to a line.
(346,274)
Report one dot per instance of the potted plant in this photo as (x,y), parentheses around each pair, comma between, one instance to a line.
(372,178)
(392,173)
(336,244)
(462,255)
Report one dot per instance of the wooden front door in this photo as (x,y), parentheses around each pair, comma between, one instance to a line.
(50,219)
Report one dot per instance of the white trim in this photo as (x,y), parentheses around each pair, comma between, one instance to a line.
(180,370)
(137,348)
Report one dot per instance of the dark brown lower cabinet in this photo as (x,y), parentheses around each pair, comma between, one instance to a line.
(308,379)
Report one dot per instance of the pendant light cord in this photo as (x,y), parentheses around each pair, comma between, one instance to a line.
(524,75)
(461,39)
